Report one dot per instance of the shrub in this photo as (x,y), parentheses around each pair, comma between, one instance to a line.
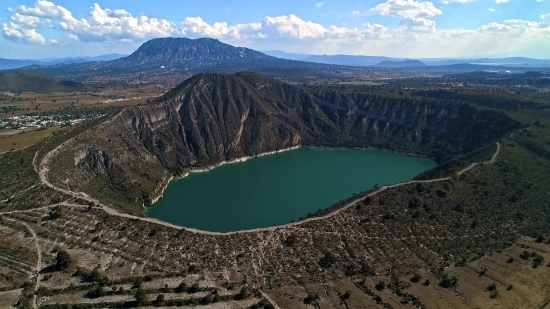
(63,260)
(491,287)
(416,278)
(141,296)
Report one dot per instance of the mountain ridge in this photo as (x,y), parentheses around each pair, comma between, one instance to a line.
(211,118)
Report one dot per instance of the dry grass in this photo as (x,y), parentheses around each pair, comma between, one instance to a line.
(8,298)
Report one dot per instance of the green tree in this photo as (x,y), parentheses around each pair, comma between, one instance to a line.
(141,296)
(63,260)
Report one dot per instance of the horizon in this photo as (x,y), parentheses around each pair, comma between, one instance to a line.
(279,51)
(393,28)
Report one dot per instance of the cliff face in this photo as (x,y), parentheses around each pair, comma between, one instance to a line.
(211,118)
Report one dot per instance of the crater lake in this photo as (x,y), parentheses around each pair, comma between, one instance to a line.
(277,189)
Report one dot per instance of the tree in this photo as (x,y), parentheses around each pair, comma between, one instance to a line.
(416,278)
(140,295)
(159,300)
(63,260)
(380,285)
(181,288)
(328,260)
(55,213)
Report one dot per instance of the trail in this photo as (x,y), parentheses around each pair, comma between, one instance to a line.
(38,262)
(42,171)
(269,300)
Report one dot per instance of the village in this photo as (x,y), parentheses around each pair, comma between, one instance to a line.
(43,121)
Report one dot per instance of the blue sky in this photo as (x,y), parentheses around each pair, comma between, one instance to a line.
(404,28)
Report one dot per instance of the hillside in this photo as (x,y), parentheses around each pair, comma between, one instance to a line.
(401,64)
(211,118)
(27,81)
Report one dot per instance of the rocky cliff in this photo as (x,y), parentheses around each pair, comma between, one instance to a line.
(212,117)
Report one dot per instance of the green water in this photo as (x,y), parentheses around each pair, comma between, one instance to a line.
(279,188)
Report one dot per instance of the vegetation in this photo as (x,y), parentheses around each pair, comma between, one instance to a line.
(63,259)
(22,81)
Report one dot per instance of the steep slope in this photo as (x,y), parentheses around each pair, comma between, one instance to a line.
(211,118)
(21,81)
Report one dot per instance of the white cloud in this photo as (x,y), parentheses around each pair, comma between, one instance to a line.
(320,4)
(545,16)
(501,1)
(293,26)
(456,1)
(355,13)
(100,25)
(417,24)
(491,10)
(220,30)
(407,9)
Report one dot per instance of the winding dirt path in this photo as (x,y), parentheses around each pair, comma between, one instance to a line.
(38,262)
(42,171)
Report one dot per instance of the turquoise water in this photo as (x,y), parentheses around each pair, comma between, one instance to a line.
(276,189)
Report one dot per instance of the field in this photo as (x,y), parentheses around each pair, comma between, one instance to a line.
(18,139)
(110,92)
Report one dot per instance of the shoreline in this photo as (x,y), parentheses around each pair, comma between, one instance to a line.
(370,148)
(211,167)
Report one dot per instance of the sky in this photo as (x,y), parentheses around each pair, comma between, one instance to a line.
(39,29)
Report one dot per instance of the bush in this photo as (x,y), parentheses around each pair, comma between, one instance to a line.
(181,288)
(416,278)
(141,296)
(327,260)
(63,260)
(448,283)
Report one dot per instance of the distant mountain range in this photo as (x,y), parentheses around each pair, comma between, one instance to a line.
(401,64)
(18,63)
(351,60)
(205,55)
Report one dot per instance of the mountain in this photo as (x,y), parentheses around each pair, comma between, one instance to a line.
(401,64)
(176,54)
(285,55)
(27,81)
(105,57)
(211,118)
(6,64)
(347,59)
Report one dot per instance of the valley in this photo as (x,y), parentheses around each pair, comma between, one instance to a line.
(81,209)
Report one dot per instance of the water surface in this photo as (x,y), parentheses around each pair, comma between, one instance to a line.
(279,188)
